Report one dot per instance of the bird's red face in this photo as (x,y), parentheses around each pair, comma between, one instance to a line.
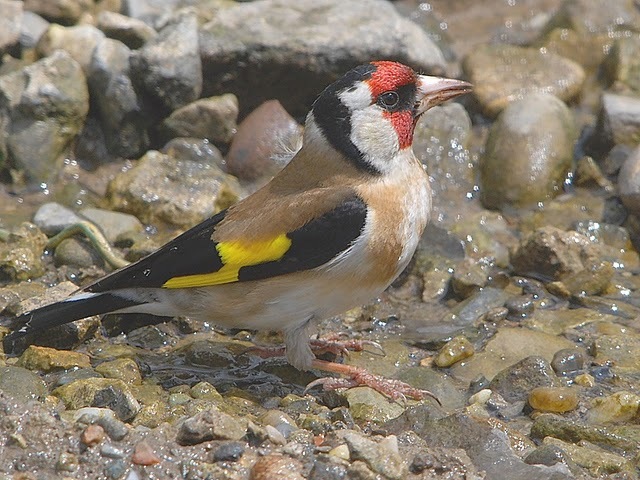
(393,86)
(369,115)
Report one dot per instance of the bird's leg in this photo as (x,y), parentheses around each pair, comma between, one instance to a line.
(330,344)
(356,377)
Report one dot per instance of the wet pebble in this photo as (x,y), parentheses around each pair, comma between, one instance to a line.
(567,360)
(381,457)
(47,359)
(538,122)
(104,417)
(618,120)
(100,392)
(110,451)
(253,154)
(20,384)
(51,218)
(112,224)
(619,407)
(163,189)
(92,435)
(124,369)
(280,421)
(143,454)
(213,118)
(520,307)
(78,40)
(115,469)
(365,404)
(455,350)
(210,424)
(502,73)
(77,252)
(134,33)
(276,466)
(229,452)
(515,382)
(553,399)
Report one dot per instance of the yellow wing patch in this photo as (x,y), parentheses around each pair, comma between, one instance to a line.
(234,256)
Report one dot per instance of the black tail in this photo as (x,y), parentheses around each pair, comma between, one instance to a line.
(31,323)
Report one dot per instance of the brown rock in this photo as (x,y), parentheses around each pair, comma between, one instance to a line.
(143,454)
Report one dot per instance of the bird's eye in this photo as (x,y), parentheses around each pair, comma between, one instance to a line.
(389,99)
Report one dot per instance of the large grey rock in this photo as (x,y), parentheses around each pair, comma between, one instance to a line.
(42,108)
(291,49)
(168,68)
(123,120)
(11,16)
(79,41)
(528,153)
(503,73)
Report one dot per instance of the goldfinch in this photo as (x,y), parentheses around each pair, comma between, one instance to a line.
(330,232)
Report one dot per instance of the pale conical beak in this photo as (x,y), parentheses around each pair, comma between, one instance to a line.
(433,91)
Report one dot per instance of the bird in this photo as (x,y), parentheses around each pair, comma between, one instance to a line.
(330,232)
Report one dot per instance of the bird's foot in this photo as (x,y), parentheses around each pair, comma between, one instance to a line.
(356,377)
(331,344)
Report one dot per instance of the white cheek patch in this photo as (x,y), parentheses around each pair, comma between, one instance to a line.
(356,97)
(375,137)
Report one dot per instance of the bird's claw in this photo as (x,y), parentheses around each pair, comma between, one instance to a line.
(397,390)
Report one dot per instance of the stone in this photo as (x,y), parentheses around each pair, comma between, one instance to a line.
(168,67)
(304,45)
(277,466)
(595,459)
(52,218)
(124,369)
(365,404)
(33,27)
(21,385)
(534,136)
(134,33)
(44,105)
(211,424)
(567,361)
(21,253)
(123,118)
(619,407)
(501,74)
(553,399)
(213,118)
(64,12)
(515,382)
(162,189)
(264,143)
(78,41)
(618,121)
(76,252)
(229,452)
(11,15)
(454,351)
(100,392)
(620,350)
(112,224)
(49,359)
(92,435)
(143,454)
(508,347)
(591,17)
(381,457)
(629,182)
(553,254)
(621,66)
